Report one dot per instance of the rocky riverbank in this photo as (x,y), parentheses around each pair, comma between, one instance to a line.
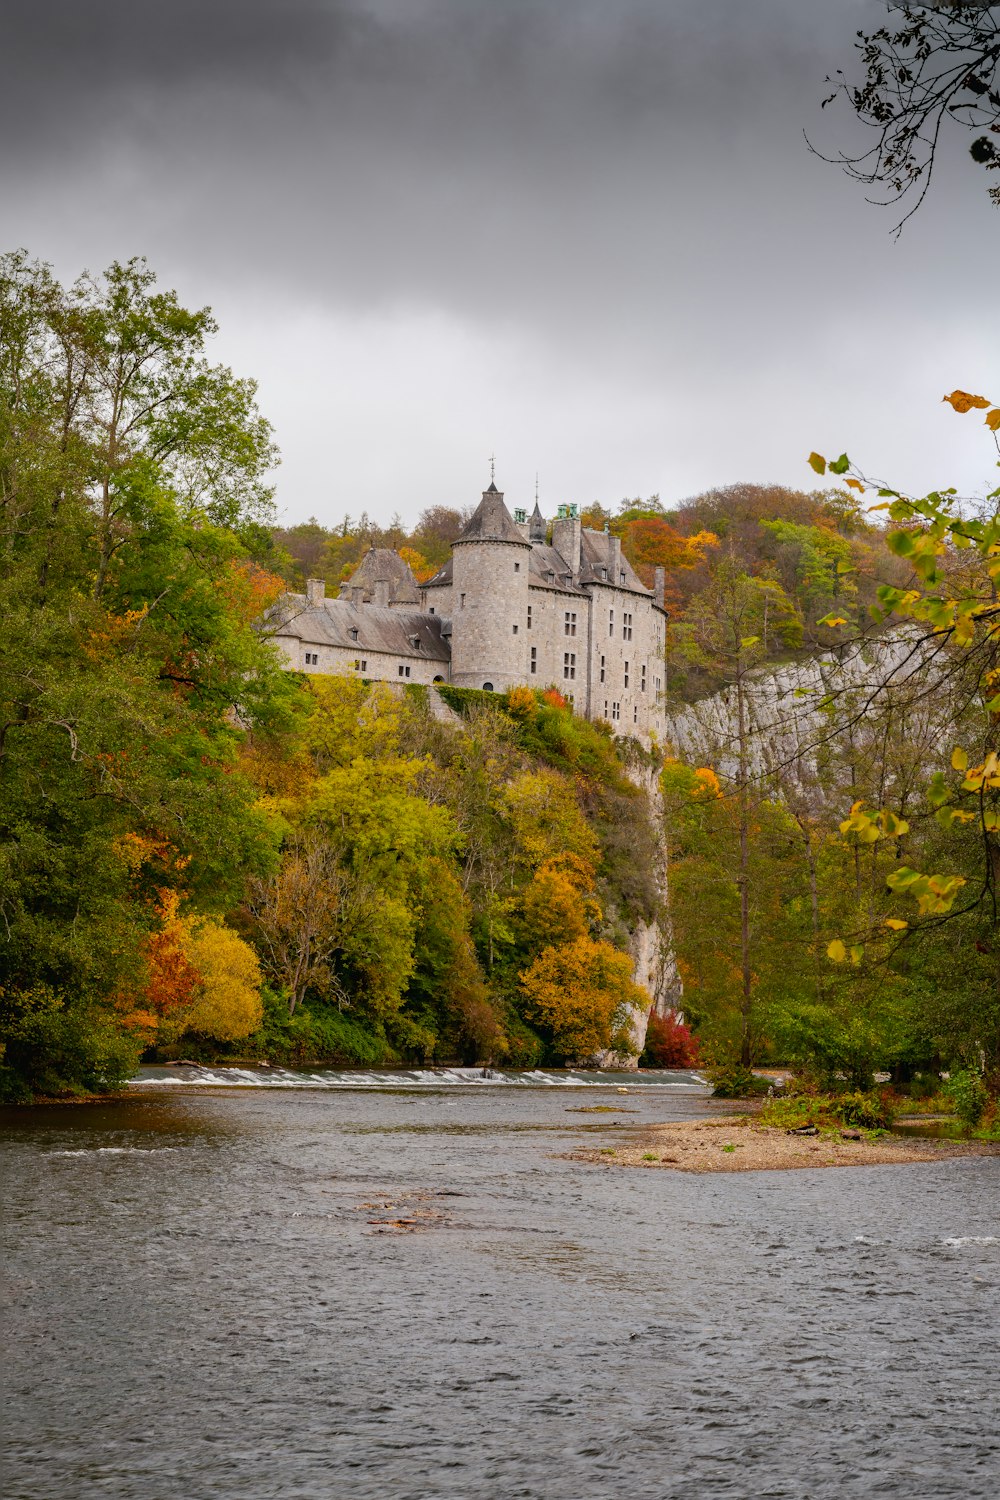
(742,1144)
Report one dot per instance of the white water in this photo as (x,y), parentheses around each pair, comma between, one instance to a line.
(415,1078)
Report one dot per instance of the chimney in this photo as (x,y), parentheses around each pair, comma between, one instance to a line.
(357,596)
(659,583)
(382,587)
(616,557)
(315,592)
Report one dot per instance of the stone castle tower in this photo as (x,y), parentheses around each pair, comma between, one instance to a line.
(489,600)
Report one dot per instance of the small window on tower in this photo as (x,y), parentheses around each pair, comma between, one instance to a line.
(461,601)
(515,629)
(611,622)
(626,674)
(602,668)
(534,659)
(529,616)
(517,567)
(569,665)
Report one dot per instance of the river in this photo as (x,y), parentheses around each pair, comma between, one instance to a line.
(353,1286)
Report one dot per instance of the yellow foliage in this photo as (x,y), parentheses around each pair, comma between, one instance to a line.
(708,784)
(962,401)
(558,905)
(547,819)
(522,703)
(581,993)
(227,1002)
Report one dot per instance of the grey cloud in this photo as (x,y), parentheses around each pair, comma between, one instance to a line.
(622,190)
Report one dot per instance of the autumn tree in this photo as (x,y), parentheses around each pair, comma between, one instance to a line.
(930,73)
(582,993)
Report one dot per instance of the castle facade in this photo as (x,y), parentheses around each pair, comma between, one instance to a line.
(509,608)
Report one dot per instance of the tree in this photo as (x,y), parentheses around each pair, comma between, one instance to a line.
(132,492)
(226,1003)
(581,993)
(936,67)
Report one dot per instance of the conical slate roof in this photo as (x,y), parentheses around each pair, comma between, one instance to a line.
(536,526)
(491,521)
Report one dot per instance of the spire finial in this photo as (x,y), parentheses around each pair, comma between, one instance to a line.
(493,466)
(536,486)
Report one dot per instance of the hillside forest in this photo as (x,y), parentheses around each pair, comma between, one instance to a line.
(203,855)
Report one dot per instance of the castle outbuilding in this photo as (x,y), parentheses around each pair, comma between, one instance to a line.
(509,608)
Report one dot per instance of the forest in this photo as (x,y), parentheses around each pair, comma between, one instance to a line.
(205,856)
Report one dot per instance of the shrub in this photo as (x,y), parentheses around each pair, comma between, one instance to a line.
(735,1082)
(51,1047)
(969,1095)
(829,1112)
(669,1044)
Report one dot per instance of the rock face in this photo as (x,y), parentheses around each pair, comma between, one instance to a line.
(653,965)
(792,709)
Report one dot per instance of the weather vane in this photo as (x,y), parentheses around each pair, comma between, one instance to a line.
(536,486)
(493,465)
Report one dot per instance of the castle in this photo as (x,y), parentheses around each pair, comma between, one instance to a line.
(509,608)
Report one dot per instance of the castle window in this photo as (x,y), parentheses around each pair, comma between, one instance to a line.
(569,622)
(616,712)
(534,658)
(487,687)
(626,674)
(635,714)
(461,601)
(404,671)
(642,678)
(611,622)
(515,629)
(627,627)
(605,708)
(353,632)
(360,665)
(569,665)
(416,643)
(431,610)
(604,574)
(529,616)
(602,668)
(657,684)
(312,659)
(517,567)
(621,576)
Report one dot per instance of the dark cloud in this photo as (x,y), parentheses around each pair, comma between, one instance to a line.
(620,194)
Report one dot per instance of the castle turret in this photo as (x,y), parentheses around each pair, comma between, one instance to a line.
(489,598)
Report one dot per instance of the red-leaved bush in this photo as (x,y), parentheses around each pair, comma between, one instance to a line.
(669,1044)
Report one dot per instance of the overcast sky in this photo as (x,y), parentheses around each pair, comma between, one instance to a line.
(584,234)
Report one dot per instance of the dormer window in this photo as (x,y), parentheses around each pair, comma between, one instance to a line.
(604,574)
(415,642)
(621,576)
(353,632)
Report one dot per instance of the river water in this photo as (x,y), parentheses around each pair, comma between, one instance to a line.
(403,1289)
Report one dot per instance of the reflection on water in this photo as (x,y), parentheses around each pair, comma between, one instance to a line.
(228,1292)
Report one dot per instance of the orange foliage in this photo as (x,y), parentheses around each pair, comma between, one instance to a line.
(708,788)
(554,698)
(522,703)
(248,589)
(420,567)
(558,905)
(173,978)
(581,993)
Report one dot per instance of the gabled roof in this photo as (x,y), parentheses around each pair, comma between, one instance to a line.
(378,628)
(383,565)
(491,521)
(597,560)
(545,560)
